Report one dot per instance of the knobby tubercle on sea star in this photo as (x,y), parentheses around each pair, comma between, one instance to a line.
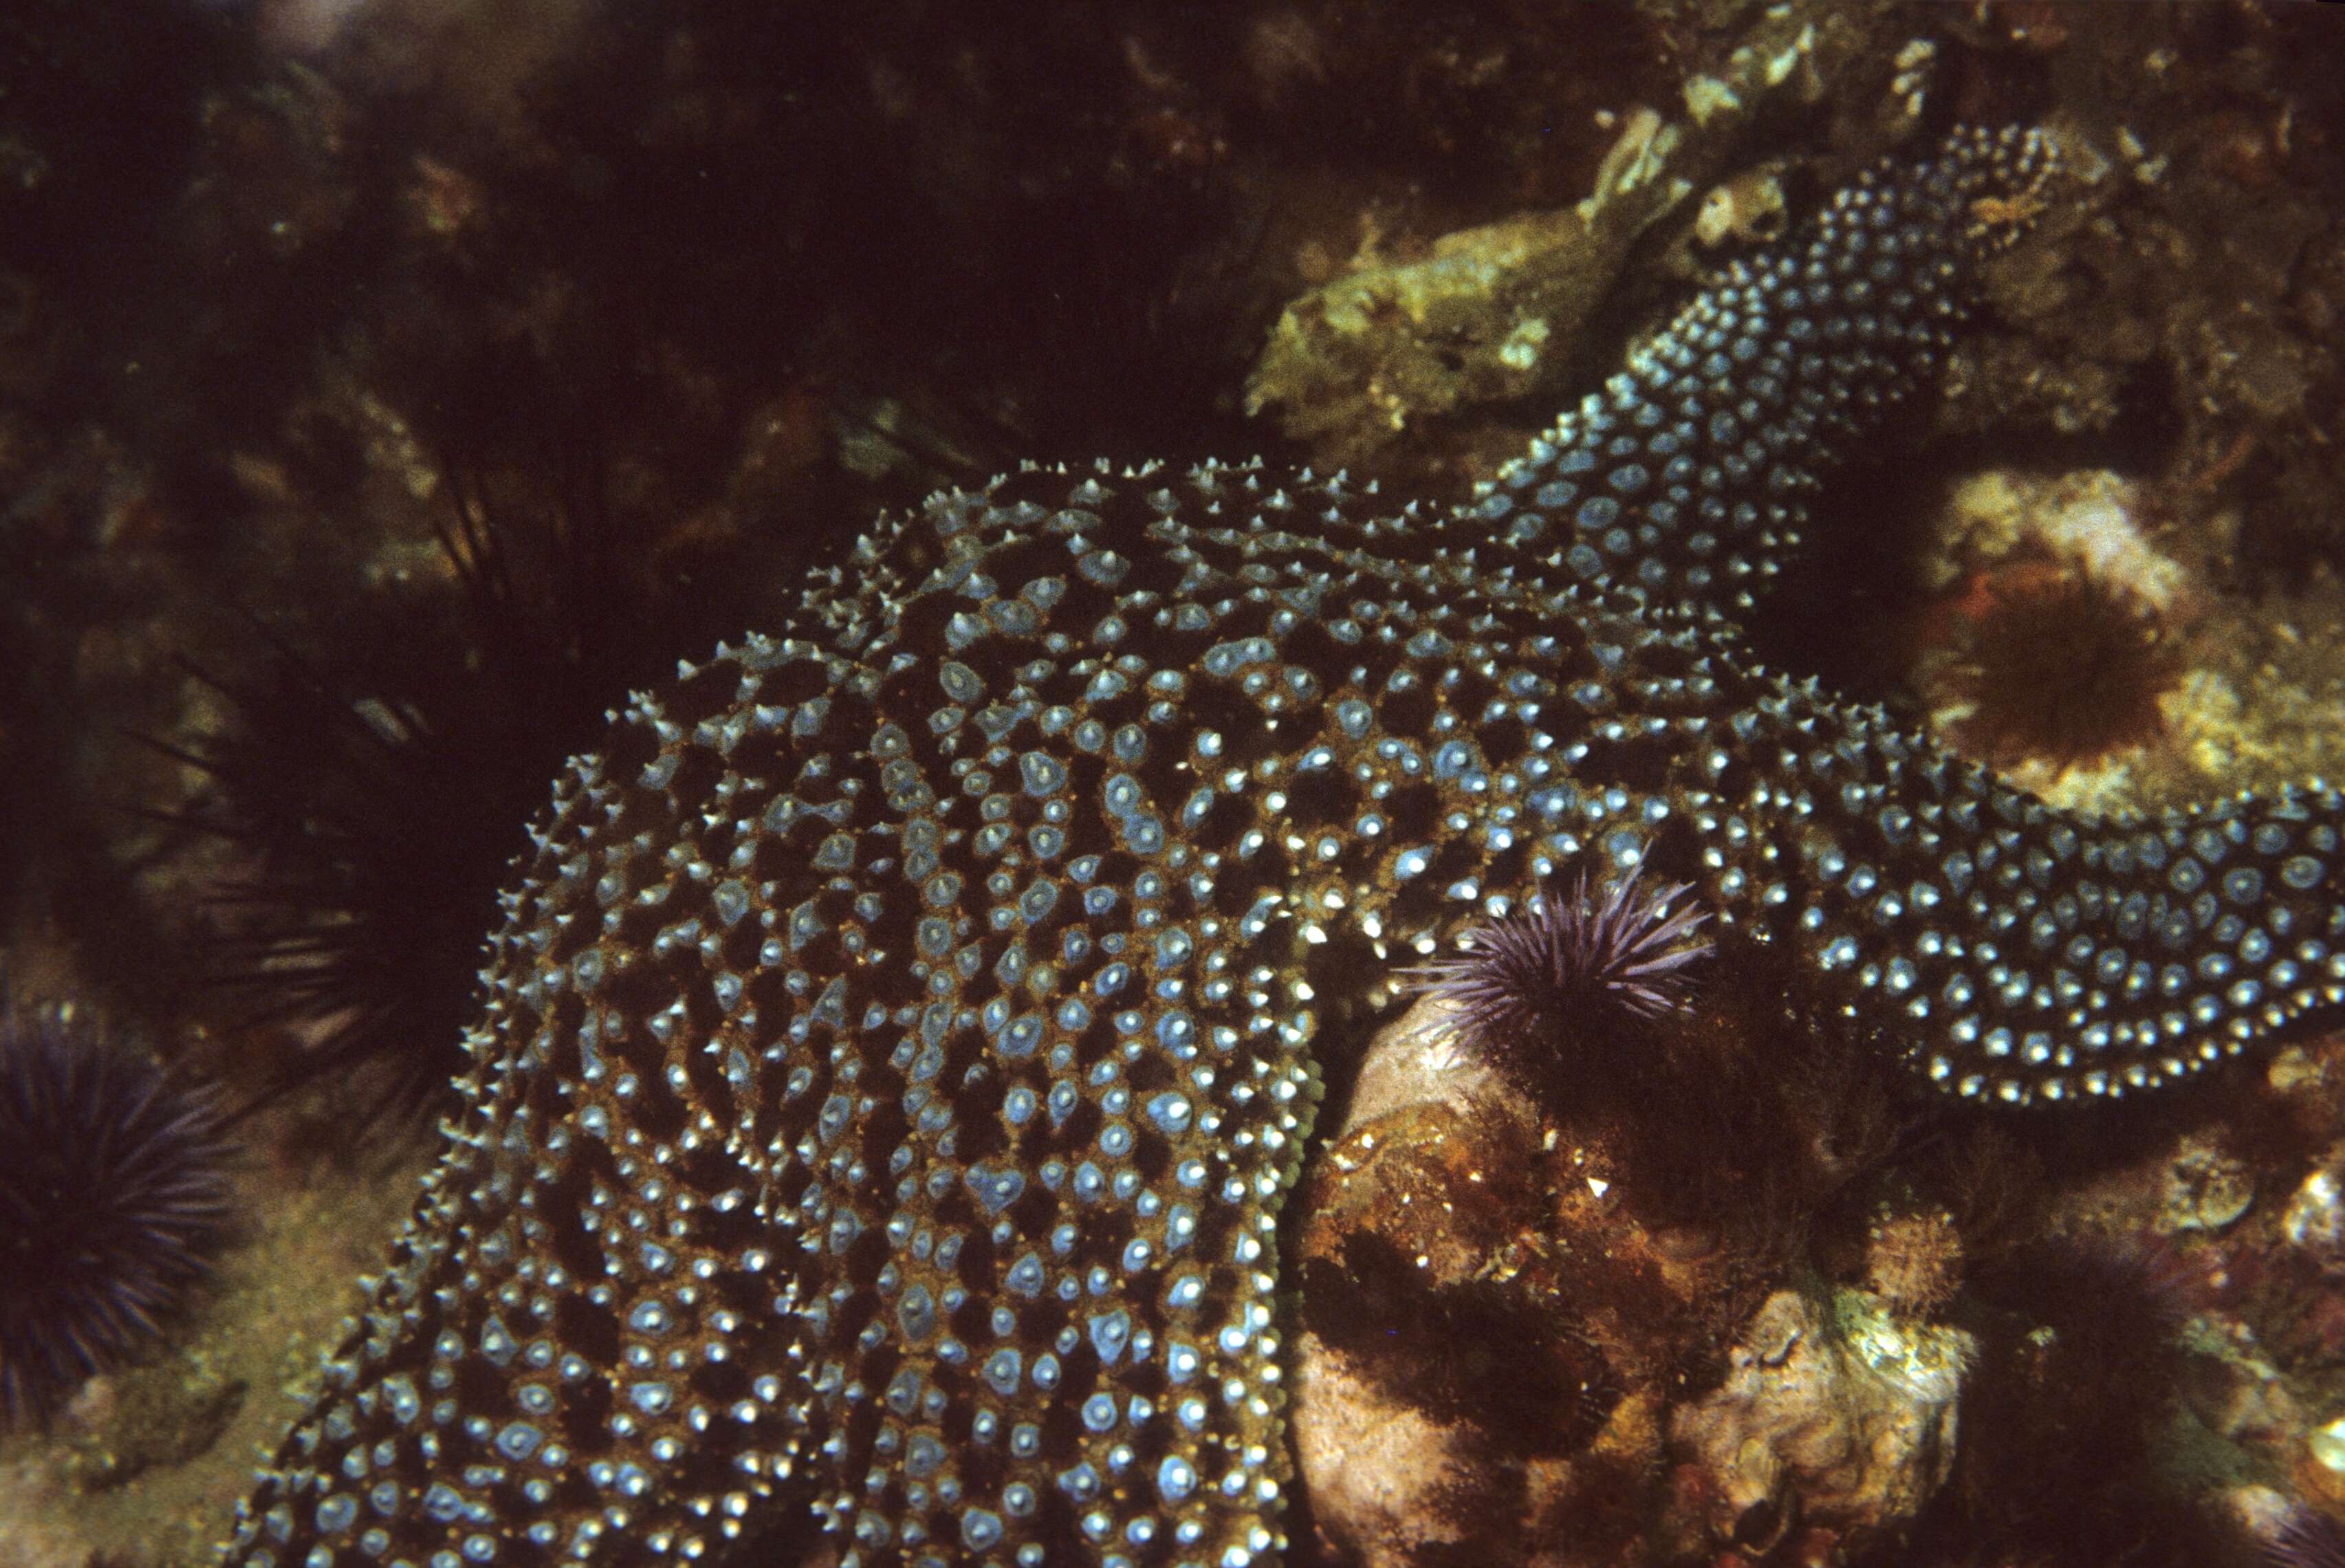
(899,1043)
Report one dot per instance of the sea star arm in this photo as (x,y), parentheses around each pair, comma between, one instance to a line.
(2015,952)
(1685,481)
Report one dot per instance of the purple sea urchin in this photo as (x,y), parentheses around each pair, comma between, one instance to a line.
(1567,964)
(111,1193)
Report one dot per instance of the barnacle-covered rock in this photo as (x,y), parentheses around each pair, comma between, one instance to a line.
(1836,1418)
(2207,1187)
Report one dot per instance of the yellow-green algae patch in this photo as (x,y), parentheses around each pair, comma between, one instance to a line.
(1492,313)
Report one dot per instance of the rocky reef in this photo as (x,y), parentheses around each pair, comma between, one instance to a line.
(494,361)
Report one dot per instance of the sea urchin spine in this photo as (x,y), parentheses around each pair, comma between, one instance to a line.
(2307,1540)
(1563,964)
(112,1191)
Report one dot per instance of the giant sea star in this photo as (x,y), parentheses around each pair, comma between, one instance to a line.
(899,1043)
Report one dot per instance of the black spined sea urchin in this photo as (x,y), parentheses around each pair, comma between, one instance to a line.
(1566,965)
(379,786)
(113,1191)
